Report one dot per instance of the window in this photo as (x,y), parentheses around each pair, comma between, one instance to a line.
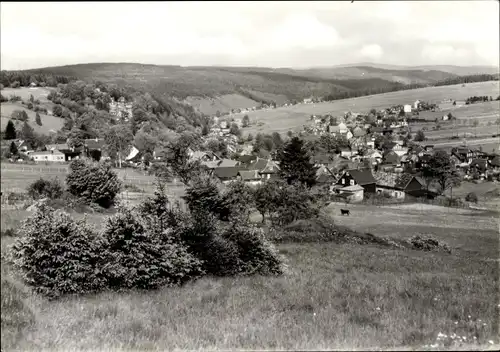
(343,181)
(351,182)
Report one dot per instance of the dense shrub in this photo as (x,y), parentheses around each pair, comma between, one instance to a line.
(256,255)
(41,188)
(135,258)
(428,244)
(57,255)
(94,182)
(471,197)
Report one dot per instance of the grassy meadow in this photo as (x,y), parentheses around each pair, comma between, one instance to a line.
(294,117)
(335,296)
(50,124)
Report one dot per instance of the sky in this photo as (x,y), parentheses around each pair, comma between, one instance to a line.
(268,34)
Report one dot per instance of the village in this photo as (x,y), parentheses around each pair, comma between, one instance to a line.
(375,153)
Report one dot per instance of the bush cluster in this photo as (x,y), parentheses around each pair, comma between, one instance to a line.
(429,244)
(93,182)
(42,188)
(151,246)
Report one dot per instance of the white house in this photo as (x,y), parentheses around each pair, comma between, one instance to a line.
(416,104)
(407,108)
(49,155)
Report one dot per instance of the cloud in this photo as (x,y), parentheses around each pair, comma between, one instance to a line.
(372,51)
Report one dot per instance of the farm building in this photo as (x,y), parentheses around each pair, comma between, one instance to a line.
(49,156)
(361,177)
(407,108)
(396,185)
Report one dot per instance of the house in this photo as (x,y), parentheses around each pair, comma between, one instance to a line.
(251,177)
(246,159)
(429,148)
(417,150)
(391,158)
(416,104)
(321,159)
(407,108)
(203,155)
(48,156)
(400,150)
(348,153)
(361,177)
(134,155)
(94,148)
(227,174)
(69,153)
(324,176)
(464,154)
(481,165)
(227,163)
(33,85)
(271,170)
(374,156)
(397,185)
(495,162)
(352,194)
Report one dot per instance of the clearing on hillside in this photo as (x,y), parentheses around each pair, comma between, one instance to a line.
(50,124)
(294,117)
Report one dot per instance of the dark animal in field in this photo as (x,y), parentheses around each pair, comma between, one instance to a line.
(345,212)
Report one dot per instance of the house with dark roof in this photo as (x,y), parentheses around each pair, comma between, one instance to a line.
(397,185)
(94,148)
(246,159)
(227,163)
(251,177)
(481,165)
(361,177)
(321,159)
(391,158)
(495,162)
(465,155)
(227,174)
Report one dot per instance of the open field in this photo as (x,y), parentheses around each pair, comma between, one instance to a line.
(39,93)
(335,297)
(17,177)
(484,111)
(294,117)
(487,144)
(49,123)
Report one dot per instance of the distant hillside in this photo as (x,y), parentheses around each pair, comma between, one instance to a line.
(222,89)
(456,70)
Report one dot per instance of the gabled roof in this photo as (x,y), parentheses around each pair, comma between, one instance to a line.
(270,168)
(258,164)
(246,159)
(352,188)
(249,175)
(334,129)
(393,180)
(228,163)
(324,175)
(61,146)
(362,176)
(210,164)
(47,152)
(391,157)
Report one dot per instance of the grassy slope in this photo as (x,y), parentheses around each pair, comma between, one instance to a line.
(48,122)
(335,297)
(293,117)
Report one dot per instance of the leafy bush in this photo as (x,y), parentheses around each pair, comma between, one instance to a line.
(135,258)
(57,255)
(428,244)
(41,188)
(471,197)
(256,255)
(94,182)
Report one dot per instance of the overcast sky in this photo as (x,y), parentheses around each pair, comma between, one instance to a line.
(275,34)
